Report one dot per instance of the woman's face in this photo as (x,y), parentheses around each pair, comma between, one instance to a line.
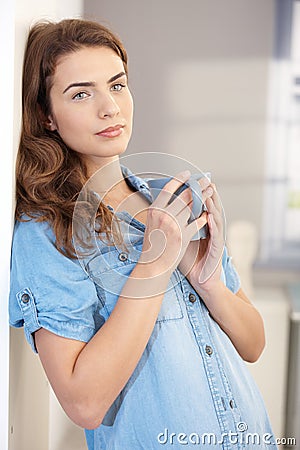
(91,105)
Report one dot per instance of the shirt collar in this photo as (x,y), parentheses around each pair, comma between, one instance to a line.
(136,182)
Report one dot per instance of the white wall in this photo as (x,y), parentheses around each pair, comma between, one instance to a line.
(34,423)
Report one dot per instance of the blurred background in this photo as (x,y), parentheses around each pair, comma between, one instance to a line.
(218,84)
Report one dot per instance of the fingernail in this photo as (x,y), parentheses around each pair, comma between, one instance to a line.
(186,173)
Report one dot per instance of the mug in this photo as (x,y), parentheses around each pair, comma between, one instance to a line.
(156,184)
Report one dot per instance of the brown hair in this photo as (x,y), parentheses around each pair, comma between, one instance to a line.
(50,175)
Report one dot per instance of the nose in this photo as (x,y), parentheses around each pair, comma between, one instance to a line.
(108,107)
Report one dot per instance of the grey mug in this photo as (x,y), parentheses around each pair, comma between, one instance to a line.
(156,184)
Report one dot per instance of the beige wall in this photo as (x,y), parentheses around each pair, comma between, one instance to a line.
(199,73)
(29,398)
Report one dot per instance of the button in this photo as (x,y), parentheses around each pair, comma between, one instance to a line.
(192,298)
(231,404)
(123,256)
(25,298)
(209,350)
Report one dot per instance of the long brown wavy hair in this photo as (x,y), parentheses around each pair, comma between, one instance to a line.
(50,175)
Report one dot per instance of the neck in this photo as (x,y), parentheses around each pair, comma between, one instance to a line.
(106,177)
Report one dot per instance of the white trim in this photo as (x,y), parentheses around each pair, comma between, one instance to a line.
(6,182)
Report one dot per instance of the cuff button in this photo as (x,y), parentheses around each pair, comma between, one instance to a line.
(25,298)
(123,256)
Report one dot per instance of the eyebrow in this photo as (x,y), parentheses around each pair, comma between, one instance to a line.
(92,83)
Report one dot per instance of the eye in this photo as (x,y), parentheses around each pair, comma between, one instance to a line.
(118,87)
(80,96)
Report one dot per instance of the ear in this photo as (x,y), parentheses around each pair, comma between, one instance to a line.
(50,124)
(47,121)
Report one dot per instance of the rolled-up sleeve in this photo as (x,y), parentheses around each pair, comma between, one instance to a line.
(49,290)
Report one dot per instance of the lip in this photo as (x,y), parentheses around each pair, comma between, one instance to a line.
(112,131)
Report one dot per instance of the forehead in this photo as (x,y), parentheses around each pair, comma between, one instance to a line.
(88,64)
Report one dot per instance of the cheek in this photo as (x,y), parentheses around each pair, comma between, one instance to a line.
(69,123)
(129,107)
(72,130)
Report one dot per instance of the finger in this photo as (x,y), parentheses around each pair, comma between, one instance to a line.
(217,215)
(182,202)
(210,205)
(184,214)
(216,198)
(170,188)
(217,239)
(212,194)
(207,193)
(197,224)
(213,256)
(204,182)
(212,225)
(214,206)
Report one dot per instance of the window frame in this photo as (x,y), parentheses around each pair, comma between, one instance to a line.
(277,249)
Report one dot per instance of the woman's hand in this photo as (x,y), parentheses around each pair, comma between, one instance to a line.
(168,232)
(202,261)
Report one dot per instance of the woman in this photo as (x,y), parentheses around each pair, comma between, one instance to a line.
(141,351)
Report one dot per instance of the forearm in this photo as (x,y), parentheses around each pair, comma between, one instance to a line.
(237,317)
(105,364)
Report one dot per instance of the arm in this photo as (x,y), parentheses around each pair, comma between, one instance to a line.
(238,318)
(88,377)
(201,264)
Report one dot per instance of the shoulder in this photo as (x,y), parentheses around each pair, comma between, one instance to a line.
(34,251)
(48,289)
(32,244)
(32,229)
(32,238)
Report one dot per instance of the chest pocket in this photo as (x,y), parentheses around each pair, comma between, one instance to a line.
(110,270)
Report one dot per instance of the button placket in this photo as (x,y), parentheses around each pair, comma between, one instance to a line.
(219,386)
(199,319)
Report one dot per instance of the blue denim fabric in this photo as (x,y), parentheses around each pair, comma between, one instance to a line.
(190,387)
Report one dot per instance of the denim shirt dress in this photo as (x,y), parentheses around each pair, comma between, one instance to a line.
(189,389)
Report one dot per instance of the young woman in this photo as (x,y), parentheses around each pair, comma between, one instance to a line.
(141,349)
